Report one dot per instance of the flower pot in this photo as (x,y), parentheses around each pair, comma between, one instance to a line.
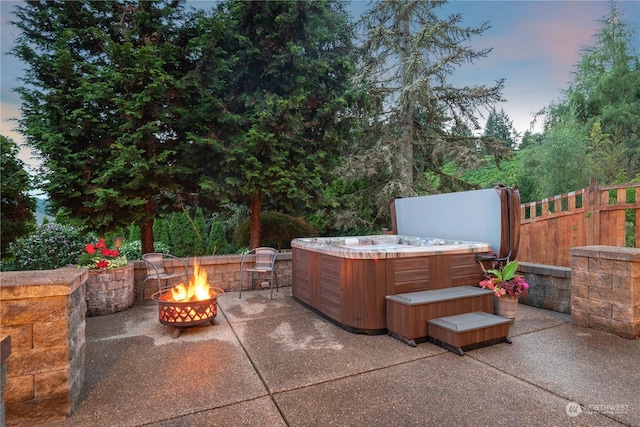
(507,307)
(109,291)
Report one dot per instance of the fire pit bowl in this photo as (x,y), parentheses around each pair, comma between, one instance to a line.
(183,314)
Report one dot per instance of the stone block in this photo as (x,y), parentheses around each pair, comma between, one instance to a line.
(597,308)
(26,311)
(623,283)
(18,388)
(49,334)
(614,297)
(579,318)
(48,384)
(37,412)
(580,291)
(581,277)
(622,329)
(609,266)
(21,336)
(621,313)
(37,360)
(579,263)
(600,280)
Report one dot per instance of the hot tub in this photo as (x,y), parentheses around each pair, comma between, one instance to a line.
(347,278)
(438,242)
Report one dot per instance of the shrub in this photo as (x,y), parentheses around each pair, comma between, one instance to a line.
(50,246)
(133,249)
(276,230)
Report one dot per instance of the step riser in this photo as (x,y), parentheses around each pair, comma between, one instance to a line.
(468,338)
(410,321)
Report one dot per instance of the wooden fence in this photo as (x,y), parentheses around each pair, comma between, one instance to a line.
(596,215)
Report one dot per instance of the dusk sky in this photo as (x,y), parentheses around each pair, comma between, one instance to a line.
(536,45)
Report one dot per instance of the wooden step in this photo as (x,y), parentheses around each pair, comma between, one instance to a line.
(408,313)
(469,330)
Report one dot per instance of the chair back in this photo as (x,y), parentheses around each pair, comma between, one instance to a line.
(155,263)
(265,258)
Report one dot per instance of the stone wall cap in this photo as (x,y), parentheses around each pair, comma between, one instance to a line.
(41,283)
(607,252)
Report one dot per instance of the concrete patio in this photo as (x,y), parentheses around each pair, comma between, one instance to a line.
(276,363)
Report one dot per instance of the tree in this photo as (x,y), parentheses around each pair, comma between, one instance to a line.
(604,98)
(17,206)
(289,96)
(412,53)
(562,163)
(500,127)
(606,88)
(108,103)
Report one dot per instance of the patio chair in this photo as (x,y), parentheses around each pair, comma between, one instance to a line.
(265,264)
(156,270)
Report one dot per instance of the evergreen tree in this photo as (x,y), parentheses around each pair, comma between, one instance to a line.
(161,231)
(289,96)
(108,103)
(604,98)
(500,127)
(411,53)
(217,243)
(200,227)
(183,235)
(17,206)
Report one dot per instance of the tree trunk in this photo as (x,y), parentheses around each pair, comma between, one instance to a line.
(146,231)
(256,207)
(406,139)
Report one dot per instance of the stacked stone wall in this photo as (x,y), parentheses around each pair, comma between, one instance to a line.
(550,286)
(44,314)
(605,289)
(223,271)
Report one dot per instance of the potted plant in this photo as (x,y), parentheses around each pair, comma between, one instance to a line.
(507,287)
(98,256)
(109,288)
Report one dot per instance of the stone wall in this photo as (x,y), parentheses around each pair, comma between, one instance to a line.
(223,271)
(44,314)
(605,289)
(550,286)
(109,291)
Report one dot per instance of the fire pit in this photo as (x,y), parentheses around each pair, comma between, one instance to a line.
(188,305)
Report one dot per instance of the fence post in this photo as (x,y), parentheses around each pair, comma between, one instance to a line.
(593,213)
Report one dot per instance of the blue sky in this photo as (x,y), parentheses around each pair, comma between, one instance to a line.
(536,45)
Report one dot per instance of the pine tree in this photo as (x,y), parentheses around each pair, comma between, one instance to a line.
(290,94)
(108,102)
(17,206)
(500,127)
(411,53)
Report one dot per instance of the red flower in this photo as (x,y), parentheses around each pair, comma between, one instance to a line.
(102,264)
(109,252)
(90,248)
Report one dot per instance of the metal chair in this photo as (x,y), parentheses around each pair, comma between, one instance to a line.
(265,263)
(156,270)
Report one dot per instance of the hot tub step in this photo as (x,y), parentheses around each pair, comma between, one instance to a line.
(408,313)
(469,330)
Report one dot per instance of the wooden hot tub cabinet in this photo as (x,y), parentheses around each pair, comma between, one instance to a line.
(351,290)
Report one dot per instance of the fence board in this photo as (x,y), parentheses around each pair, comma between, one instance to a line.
(591,216)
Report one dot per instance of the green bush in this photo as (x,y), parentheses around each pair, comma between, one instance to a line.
(133,249)
(50,246)
(276,230)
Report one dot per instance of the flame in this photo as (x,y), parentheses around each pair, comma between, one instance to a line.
(179,292)
(196,290)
